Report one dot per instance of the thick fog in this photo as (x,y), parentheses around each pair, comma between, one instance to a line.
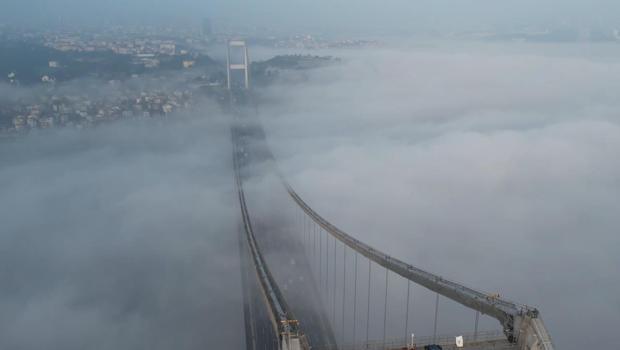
(498,170)
(496,165)
(120,237)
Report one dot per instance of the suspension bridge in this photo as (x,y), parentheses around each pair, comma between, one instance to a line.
(307,284)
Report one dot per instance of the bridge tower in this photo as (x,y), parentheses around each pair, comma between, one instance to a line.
(243,66)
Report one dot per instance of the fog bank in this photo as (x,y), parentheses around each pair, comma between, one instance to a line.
(120,237)
(501,171)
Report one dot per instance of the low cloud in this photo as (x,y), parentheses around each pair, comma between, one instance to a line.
(120,237)
(497,170)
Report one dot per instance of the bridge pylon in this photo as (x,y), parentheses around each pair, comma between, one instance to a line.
(243,66)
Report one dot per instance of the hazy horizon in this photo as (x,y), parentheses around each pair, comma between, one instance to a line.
(367,17)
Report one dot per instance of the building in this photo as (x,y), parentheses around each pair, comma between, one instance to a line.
(207,28)
(167,48)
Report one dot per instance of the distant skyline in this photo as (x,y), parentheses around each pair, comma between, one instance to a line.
(365,17)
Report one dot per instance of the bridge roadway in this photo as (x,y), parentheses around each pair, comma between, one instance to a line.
(301,293)
(521,324)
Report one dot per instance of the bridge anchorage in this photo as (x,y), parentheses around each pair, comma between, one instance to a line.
(321,298)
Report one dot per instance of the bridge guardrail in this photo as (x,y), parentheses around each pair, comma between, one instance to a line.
(283,321)
(480,340)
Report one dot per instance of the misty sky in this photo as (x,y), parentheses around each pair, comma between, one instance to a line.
(333,16)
